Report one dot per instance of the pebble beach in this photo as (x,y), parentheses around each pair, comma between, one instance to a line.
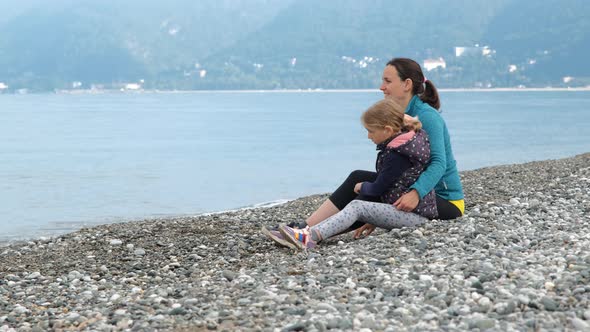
(519,260)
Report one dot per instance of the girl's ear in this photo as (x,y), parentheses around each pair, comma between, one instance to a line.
(389,130)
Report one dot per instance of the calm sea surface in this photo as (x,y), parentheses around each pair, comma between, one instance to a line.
(74,160)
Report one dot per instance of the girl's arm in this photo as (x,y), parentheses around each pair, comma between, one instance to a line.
(394,164)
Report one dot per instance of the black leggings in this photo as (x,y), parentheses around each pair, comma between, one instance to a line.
(345,194)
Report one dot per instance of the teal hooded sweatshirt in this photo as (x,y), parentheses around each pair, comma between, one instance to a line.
(441,172)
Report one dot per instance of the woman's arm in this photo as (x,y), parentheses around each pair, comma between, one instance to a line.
(434,126)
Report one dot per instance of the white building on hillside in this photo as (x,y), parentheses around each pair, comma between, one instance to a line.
(430,64)
(473,50)
(512,68)
(132,86)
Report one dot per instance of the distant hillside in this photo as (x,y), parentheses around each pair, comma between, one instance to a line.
(111,41)
(320,34)
(555,33)
(254,44)
(383,27)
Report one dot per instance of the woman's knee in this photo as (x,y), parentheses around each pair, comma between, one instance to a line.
(357,176)
(344,194)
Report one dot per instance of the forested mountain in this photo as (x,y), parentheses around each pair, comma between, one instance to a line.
(105,42)
(555,33)
(255,44)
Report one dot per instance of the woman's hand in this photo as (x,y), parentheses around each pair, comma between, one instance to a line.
(364,231)
(408,201)
(357,187)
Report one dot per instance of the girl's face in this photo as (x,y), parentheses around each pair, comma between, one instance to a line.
(393,87)
(379,135)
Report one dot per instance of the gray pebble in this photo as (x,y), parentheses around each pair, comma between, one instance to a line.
(294,327)
(178,311)
(484,324)
(549,304)
(229,275)
(580,325)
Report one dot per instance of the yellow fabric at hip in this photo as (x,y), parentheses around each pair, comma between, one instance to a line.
(460,204)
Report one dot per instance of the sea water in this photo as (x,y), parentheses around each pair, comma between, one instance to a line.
(84,159)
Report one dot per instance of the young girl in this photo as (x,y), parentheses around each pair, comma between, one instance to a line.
(402,157)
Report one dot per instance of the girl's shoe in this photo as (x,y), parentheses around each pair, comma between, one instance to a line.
(292,224)
(278,237)
(299,237)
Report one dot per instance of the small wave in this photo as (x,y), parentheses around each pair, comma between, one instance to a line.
(270,204)
(250,207)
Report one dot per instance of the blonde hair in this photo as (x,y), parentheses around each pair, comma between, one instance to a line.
(388,112)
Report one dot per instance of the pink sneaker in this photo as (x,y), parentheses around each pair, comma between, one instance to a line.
(299,237)
(276,236)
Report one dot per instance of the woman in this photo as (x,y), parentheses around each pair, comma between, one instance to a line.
(404,81)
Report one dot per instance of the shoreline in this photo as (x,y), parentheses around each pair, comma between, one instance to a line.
(365,90)
(53,233)
(317,90)
(518,260)
(117,220)
(547,89)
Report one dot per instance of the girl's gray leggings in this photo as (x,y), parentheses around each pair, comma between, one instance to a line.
(379,214)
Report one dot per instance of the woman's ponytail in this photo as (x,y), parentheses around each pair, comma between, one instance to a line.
(430,95)
(423,88)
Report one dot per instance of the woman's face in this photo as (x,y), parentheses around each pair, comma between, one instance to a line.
(393,87)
